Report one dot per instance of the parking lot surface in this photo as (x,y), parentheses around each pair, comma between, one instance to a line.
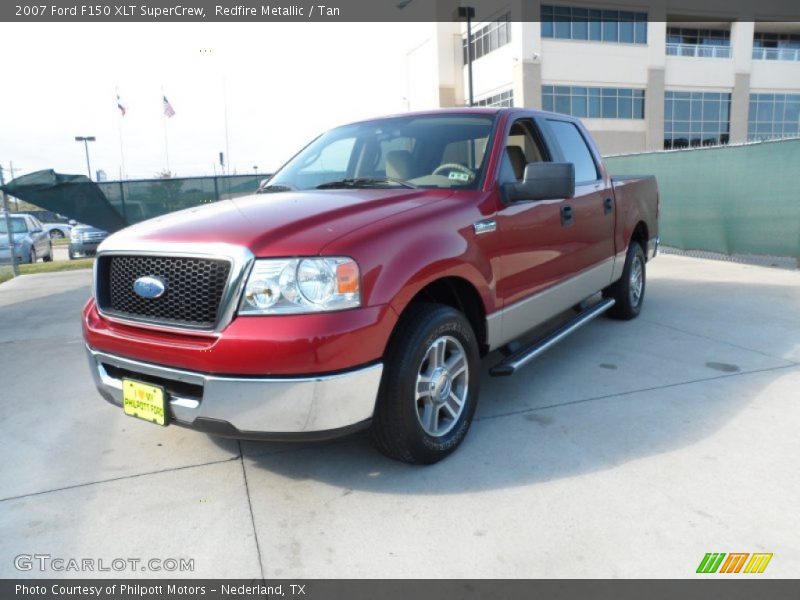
(629,450)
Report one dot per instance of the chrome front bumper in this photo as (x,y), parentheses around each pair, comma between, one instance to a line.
(311,407)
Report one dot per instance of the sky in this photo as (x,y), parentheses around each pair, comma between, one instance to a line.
(283,84)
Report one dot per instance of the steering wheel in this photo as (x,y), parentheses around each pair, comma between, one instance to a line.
(454,167)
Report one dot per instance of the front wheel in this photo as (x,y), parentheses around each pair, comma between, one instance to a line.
(32,257)
(628,292)
(429,389)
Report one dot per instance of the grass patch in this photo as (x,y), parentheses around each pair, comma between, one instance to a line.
(47,267)
(60,241)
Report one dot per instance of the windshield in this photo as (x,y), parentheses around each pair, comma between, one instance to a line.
(17,225)
(433,151)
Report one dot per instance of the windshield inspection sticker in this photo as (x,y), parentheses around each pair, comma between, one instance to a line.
(458,175)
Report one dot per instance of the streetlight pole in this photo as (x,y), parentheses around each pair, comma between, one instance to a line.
(86,140)
(468,13)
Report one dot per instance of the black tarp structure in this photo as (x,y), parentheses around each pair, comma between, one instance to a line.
(75,196)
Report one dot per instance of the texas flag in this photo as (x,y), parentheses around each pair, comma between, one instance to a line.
(168,110)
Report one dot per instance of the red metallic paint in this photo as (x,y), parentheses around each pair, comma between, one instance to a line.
(401,239)
(286,345)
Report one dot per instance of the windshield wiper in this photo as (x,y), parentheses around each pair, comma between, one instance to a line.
(365,182)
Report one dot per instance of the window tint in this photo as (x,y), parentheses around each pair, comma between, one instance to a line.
(696,119)
(17,225)
(489,38)
(575,150)
(413,149)
(593,102)
(573,23)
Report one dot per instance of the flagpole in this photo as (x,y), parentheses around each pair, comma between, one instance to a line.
(123,170)
(164,118)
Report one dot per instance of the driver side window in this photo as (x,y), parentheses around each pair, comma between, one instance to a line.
(521,148)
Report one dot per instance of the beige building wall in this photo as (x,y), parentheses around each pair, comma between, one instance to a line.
(528,62)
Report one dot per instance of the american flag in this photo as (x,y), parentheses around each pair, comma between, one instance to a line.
(121,106)
(168,110)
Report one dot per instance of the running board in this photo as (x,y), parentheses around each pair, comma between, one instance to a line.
(520,358)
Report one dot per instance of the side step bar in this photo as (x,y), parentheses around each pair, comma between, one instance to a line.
(523,356)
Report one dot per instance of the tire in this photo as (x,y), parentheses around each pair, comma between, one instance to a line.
(49,257)
(71,255)
(426,345)
(628,292)
(56,234)
(32,258)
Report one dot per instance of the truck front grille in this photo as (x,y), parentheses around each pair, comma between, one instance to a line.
(193,293)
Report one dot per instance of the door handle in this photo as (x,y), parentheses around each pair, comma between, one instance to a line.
(608,206)
(566,215)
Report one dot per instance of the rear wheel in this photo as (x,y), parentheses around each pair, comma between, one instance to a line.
(56,234)
(429,388)
(628,292)
(49,257)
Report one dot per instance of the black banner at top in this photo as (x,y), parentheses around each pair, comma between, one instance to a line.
(333,11)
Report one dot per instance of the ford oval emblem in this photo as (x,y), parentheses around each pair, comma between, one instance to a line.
(149,287)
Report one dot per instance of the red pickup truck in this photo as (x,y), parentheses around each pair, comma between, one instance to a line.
(360,287)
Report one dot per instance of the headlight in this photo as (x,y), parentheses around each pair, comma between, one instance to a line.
(301,285)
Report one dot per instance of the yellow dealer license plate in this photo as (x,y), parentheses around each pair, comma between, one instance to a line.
(144,401)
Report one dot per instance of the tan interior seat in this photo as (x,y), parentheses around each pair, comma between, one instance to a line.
(516,157)
(399,164)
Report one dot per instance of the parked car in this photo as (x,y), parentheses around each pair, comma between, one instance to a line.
(56,225)
(31,241)
(364,283)
(84,240)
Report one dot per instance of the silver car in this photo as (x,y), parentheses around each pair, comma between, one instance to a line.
(31,240)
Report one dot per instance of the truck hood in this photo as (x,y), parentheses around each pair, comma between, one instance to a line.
(279,224)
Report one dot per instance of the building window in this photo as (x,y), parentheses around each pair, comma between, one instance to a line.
(776,46)
(773,116)
(488,38)
(696,119)
(594,102)
(503,99)
(567,23)
(698,43)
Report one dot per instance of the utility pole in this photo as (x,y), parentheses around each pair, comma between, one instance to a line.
(7,217)
(468,13)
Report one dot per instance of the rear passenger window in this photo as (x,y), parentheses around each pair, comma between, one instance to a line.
(575,150)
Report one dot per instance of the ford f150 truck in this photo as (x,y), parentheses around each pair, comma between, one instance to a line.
(360,287)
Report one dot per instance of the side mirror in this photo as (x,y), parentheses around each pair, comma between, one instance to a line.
(543,181)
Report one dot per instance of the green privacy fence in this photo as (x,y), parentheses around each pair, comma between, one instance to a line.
(137,200)
(729,199)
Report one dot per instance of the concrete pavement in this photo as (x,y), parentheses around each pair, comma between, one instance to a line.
(630,450)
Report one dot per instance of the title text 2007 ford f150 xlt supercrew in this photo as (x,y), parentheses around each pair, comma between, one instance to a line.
(363,283)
